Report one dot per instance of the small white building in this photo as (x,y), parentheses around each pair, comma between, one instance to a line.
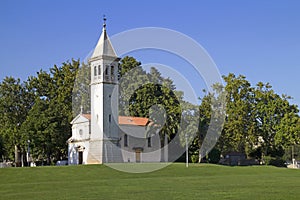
(100,137)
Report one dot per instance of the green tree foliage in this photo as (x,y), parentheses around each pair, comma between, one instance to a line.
(47,125)
(132,80)
(149,95)
(211,120)
(238,110)
(204,121)
(39,110)
(258,121)
(82,90)
(15,103)
(277,120)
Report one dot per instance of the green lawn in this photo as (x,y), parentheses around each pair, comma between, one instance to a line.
(173,182)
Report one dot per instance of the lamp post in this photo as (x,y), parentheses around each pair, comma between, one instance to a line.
(28,153)
(186,151)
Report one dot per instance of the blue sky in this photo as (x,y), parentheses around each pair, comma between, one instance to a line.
(259,39)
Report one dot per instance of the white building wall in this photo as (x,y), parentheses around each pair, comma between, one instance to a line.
(81,131)
(96,115)
(104,111)
(74,149)
(137,140)
(72,154)
(79,140)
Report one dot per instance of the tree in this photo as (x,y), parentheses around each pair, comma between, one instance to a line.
(129,68)
(288,131)
(277,120)
(203,112)
(15,102)
(258,121)
(47,124)
(82,90)
(150,95)
(238,114)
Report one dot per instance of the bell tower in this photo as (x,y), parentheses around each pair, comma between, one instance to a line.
(104,136)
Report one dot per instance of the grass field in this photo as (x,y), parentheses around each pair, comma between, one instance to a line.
(173,182)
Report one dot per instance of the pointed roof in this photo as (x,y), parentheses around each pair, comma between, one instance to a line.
(81,118)
(104,46)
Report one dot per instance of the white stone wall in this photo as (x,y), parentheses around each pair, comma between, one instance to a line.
(96,112)
(137,140)
(104,109)
(81,131)
(73,155)
(79,140)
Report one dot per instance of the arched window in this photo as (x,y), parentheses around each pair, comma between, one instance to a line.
(106,73)
(125,140)
(95,71)
(99,70)
(112,72)
(149,142)
(119,72)
(106,70)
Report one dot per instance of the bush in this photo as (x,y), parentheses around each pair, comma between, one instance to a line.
(278,162)
(267,159)
(274,161)
(214,156)
(195,158)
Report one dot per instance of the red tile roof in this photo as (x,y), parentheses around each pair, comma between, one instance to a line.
(88,116)
(127,120)
(136,121)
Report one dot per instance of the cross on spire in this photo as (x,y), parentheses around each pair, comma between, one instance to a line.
(104,21)
(81,109)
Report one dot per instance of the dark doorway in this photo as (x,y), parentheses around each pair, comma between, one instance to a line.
(80,157)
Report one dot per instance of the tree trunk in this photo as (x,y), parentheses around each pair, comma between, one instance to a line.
(166,152)
(162,153)
(200,157)
(48,159)
(17,156)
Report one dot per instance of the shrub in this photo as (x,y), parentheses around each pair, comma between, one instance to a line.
(195,158)
(278,162)
(274,161)
(214,156)
(267,159)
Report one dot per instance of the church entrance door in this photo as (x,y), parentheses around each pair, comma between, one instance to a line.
(138,155)
(80,157)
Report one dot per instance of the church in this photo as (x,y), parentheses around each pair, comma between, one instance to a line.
(102,136)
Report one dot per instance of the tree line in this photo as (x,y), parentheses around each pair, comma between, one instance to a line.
(36,113)
(259,122)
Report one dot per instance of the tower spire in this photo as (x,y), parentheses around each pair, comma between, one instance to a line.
(104,46)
